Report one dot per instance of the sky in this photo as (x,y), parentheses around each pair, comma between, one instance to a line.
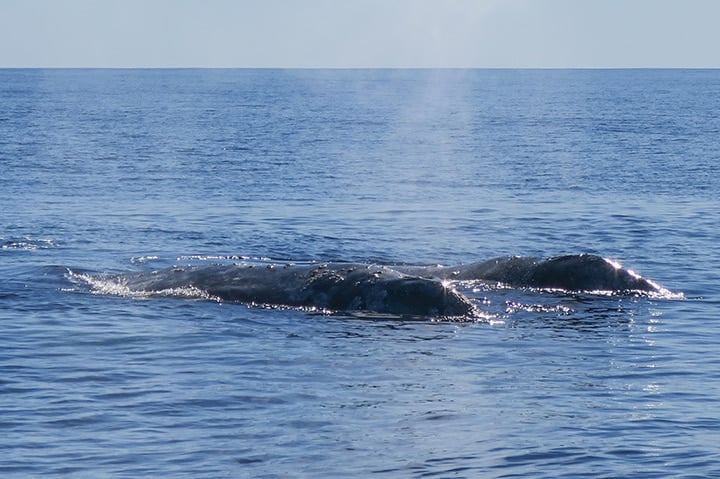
(360,33)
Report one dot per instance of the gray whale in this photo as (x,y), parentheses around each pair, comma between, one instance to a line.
(332,287)
(578,272)
(385,289)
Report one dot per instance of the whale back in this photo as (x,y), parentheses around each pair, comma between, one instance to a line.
(397,290)
(586,273)
(579,272)
(331,287)
(384,290)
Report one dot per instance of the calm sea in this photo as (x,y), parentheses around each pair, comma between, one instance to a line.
(105,171)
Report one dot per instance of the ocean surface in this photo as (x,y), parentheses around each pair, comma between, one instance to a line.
(110,171)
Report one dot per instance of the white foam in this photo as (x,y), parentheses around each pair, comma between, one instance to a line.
(117,286)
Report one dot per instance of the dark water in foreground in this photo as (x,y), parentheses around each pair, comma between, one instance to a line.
(107,171)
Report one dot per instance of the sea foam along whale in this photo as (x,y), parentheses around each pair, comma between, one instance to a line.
(579,272)
(332,287)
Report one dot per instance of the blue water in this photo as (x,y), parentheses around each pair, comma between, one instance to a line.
(107,171)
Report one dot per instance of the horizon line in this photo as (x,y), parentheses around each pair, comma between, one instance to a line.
(280,67)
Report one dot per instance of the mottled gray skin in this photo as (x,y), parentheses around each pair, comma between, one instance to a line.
(583,272)
(335,287)
(397,290)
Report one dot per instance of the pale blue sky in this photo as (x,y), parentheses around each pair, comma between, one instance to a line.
(359,33)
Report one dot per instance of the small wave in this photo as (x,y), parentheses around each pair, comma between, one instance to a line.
(661,293)
(202,257)
(26,243)
(479,286)
(514,307)
(144,259)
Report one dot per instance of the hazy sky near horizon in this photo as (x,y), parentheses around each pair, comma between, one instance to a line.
(360,33)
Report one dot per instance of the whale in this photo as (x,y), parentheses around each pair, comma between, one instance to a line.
(328,287)
(401,289)
(574,272)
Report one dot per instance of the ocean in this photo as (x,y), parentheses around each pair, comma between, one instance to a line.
(112,171)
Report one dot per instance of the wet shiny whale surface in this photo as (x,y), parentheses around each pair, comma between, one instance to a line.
(384,289)
(330,287)
(578,272)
